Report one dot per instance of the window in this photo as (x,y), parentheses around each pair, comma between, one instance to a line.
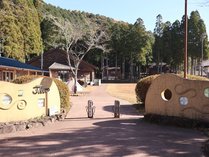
(8,76)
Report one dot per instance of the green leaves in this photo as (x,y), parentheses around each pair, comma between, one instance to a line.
(20,26)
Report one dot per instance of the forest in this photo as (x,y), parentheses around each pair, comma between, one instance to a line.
(31,27)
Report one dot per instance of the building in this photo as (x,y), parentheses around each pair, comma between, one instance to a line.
(55,61)
(11,68)
(111,73)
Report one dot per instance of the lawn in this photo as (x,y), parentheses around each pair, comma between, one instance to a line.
(125,91)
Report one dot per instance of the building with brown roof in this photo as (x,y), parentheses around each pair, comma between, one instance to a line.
(56,62)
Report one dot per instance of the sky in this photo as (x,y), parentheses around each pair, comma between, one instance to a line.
(130,10)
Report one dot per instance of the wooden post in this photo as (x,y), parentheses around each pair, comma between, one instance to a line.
(117,109)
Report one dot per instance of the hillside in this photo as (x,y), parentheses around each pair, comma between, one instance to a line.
(25,30)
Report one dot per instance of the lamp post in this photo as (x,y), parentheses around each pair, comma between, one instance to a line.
(203,36)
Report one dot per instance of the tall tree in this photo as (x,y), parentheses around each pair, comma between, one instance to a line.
(157,49)
(78,40)
(196,30)
(20,26)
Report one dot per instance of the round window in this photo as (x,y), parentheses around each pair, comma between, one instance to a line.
(6,100)
(206,92)
(183,101)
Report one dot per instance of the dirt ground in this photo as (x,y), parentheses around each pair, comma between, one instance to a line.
(124,91)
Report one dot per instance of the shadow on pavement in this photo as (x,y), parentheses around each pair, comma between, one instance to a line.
(113,138)
(124,109)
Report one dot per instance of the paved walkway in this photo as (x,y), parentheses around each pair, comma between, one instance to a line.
(102,136)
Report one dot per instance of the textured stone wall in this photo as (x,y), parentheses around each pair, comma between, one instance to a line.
(170,95)
(25,101)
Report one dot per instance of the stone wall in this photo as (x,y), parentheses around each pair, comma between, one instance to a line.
(170,95)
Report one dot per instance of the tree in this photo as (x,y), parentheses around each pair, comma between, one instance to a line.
(157,48)
(20,26)
(196,29)
(176,46)
(78,40)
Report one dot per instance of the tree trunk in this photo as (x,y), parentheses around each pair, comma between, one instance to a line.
(116,66)
(75,79)
(123,69)
(131,67)
(192,66)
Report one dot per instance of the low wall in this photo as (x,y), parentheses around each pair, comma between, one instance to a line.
(170,95)
(25,101)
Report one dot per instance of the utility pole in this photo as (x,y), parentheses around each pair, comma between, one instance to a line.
(185,42)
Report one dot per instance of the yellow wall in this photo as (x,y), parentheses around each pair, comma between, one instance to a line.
(170,95)
(25,103)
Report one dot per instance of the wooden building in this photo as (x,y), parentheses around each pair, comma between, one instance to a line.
(11,68)
(55,61)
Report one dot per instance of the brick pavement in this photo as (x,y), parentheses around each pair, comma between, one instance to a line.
(102,136)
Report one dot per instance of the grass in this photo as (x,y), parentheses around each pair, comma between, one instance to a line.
(125,91)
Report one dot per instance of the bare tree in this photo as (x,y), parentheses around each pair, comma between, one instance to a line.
(78,40)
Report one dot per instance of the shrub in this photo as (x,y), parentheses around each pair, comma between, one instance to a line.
(62,87)
(64,94)
(195,77)
(142,86)
(25,79)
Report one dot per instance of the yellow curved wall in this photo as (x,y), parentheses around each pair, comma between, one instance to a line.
(185,98)
(26,103)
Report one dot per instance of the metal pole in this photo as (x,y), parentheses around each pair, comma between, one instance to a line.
(42,59)
(185,42)
(202,57)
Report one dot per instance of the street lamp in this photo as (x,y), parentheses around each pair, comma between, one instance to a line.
(203,36)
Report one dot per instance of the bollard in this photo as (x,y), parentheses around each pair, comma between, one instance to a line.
(90,109)
(116,109)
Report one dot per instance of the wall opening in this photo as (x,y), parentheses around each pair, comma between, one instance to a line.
(166,95)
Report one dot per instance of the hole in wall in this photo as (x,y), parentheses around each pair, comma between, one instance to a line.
(166,95)
(206,92)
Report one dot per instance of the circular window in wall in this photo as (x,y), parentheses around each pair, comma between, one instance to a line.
(183,101)
(206,92)
(5,101)
(166,95)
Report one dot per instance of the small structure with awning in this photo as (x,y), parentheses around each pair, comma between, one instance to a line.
(60,71)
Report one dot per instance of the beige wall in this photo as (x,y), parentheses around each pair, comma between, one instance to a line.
(171,95)
(26,103)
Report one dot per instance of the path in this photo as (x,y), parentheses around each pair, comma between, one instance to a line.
(103,135)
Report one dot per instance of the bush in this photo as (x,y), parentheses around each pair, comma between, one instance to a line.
(64,94)
(62,87)
(195,77)
(25,79)
(142,87)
